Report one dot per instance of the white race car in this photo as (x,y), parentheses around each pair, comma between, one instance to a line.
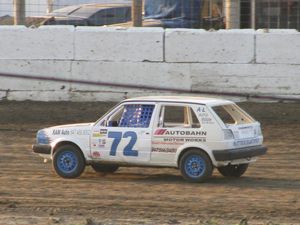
(193,134)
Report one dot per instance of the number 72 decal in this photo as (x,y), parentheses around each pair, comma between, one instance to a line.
(128,150)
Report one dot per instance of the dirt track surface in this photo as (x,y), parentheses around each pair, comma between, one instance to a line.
(30,192)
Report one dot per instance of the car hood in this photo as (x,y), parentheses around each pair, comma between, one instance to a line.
(69,130)
(75,125)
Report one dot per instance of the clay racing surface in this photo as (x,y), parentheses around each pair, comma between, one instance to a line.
(30,192)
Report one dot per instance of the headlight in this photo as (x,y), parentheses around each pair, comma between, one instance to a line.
(42,138)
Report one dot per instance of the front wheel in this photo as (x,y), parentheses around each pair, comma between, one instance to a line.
(233,170)
(195,166)
(105,168)
(68,161)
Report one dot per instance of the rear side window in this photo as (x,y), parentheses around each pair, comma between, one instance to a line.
(178,116)
(174,114)
(224,115)
(232,114)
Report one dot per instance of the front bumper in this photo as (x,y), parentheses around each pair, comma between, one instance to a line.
(239,153)
(41,148)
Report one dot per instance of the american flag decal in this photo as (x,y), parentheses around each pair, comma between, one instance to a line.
(160,131)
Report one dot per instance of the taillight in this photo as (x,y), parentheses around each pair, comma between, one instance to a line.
(228,135)
(259,133)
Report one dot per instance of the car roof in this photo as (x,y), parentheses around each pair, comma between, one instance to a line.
(72,8)
(110,5)
(182,99)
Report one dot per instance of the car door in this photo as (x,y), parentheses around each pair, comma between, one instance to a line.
(124,135)
(177,125)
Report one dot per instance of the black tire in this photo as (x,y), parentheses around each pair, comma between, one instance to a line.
(68,161)
(233,170)
(195,166)
(105,168)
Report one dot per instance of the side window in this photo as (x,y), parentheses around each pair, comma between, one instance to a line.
(174,115)
(178,116)
(232,114)
(109,13)
(195,122)
(223,114)
(135,115)
(103,17)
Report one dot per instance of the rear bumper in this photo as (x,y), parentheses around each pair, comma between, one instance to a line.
(239,153)
(41,148)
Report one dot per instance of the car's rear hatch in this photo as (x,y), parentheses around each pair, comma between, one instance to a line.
(239,125)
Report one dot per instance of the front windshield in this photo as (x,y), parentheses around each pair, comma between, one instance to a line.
(85,11)
(64,11)
(110,111)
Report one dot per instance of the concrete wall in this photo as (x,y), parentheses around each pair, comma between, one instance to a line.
(235,61)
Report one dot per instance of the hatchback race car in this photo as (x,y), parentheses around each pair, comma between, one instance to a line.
(193,134)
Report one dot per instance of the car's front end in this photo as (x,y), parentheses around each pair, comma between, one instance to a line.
(47,139)
(42,145)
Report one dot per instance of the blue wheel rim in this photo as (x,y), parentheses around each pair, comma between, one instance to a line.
(194,166)
(67,162)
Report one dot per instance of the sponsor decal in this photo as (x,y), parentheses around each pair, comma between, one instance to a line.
(165,150)
(160,131)
(246,142)
(207,120)
(180,132)
(203,139)
(202,112)
(174,139)
(201,109)
(56,132)
(70,132)
(166,142)
(96,134)
(103,131)
(176,142)
(61,132)
(96,154)
(242,128)
(83,132)
(102,143)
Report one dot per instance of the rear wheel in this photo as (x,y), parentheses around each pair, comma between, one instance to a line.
(68,161)
(195,166)
(233,170)
(103,168)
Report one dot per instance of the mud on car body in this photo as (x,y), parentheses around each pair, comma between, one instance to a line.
(192,134)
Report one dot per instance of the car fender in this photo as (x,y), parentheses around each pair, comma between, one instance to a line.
(74,141)
(201,146)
